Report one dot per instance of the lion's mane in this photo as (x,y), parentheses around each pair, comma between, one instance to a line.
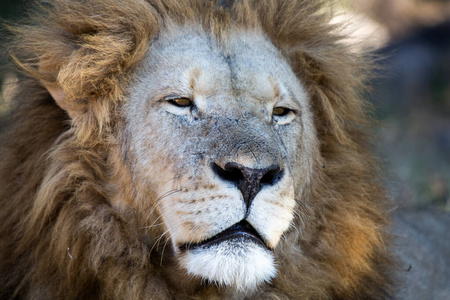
(59,235)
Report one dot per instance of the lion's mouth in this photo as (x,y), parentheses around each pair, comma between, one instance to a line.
(242,230)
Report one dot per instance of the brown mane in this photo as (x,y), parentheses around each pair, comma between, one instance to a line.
(59,236)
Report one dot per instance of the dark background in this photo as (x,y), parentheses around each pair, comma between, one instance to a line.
(10,9)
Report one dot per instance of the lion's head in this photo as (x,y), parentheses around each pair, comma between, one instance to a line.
(223,138)
(213,149)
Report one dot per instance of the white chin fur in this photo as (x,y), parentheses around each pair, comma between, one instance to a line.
(238,263)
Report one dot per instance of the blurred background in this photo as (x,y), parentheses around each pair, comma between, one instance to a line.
(411,94)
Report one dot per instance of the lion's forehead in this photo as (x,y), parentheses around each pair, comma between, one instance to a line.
(247,68)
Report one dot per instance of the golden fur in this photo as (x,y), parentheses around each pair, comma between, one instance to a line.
(61,238)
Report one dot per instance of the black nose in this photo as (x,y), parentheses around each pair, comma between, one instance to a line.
(249,181)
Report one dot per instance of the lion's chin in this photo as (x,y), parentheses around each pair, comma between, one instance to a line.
(238,263)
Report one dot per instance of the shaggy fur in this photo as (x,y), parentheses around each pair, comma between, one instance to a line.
(59,236)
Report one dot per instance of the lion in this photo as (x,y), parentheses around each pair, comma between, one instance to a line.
(193,149)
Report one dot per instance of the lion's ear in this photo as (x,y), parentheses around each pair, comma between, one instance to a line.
(47,72)
(60,98)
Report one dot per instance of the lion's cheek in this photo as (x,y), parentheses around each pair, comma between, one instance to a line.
(192,216)
(272,214)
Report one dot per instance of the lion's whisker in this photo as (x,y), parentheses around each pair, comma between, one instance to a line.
(156,243)
(159,200)
(162,253)
(305,209)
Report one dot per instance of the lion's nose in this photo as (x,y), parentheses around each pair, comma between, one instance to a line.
(249,181)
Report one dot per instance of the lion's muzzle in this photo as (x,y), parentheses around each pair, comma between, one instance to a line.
(248,180)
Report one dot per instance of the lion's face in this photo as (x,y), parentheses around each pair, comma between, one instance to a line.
(221,136)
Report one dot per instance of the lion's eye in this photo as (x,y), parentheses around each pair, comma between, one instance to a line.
(280,111)
(181,102)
